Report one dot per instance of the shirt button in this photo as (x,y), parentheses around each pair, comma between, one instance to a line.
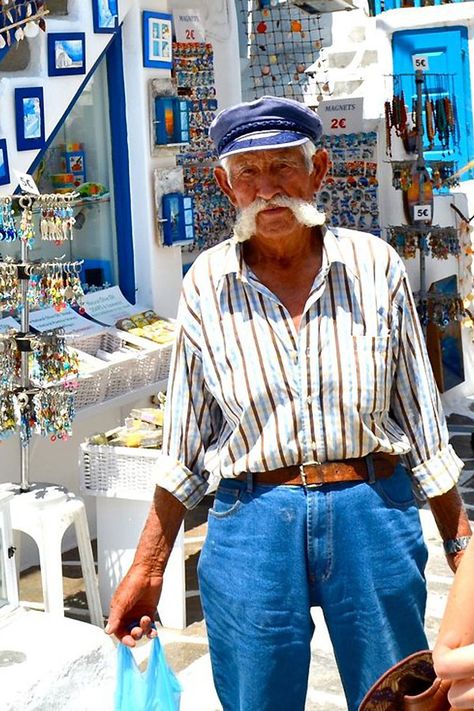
(308,352)
(309,400)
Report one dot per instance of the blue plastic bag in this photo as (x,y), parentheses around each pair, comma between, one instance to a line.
(156,689)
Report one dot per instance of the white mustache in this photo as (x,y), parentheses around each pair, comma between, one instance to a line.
(305,213)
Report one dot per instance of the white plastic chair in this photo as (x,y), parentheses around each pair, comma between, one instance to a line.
(44,512)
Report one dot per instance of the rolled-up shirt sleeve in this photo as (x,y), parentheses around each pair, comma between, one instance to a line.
(416,404)
(192,416)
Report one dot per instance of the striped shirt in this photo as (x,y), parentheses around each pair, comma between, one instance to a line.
(247,392)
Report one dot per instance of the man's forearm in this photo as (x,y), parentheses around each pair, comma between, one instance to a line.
(453,524)
(159,533)
(450,515)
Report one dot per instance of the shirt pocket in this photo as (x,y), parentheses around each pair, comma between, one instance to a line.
(367,364)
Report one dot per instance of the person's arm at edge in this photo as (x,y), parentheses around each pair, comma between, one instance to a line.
(146,572)
(453,654)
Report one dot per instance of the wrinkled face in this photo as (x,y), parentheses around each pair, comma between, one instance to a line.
(268,174)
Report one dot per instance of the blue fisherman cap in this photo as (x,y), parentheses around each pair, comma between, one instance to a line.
(268,122)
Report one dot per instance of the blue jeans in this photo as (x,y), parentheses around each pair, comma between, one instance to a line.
(272,552)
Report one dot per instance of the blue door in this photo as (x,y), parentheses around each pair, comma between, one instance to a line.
(448,75)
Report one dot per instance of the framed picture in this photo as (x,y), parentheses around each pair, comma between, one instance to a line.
(66,53)
(75,162)
(157,39)
(105,13)
(4,170)
(29,118)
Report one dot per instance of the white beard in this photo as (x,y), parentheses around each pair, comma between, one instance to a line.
(305,213)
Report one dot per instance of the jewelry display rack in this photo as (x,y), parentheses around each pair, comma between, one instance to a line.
(27,405)
(421,236)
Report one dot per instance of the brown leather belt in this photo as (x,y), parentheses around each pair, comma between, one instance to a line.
(316,474)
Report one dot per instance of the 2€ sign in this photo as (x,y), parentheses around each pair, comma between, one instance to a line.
(341,115)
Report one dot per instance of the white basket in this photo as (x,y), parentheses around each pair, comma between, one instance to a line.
(119,472)
(125,374)
(148,360)
(163,367)
(91,387)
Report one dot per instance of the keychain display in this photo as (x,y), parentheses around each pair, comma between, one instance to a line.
(439,309)
(36,391)
(55,284)
(8,231)
(349,194)
(57,217)
(439,128)
(50,359)
(56,220)
(48,412)
(439,242)
(442,174)
(10,294)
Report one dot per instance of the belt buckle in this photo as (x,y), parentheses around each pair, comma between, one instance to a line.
(303,474)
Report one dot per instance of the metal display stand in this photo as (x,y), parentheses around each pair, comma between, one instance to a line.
(42,510)
(25,339)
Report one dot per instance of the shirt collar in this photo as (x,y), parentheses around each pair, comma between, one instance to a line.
(332,253)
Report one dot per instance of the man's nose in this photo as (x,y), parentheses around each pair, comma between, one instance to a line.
(268,186)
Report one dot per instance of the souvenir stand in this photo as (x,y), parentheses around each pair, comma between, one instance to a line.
(431,123)
(36,394)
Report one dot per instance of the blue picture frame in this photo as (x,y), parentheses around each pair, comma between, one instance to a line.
(105,15)
(157,40)
(4,168)
(29,118)
(66,53)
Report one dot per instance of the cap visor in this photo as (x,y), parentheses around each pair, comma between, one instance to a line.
(264,140)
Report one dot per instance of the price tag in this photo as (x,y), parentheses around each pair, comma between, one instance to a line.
(109,305)
(72,322)
(422,213)
(421,61)
(188,26)
(26,183)
(342,115)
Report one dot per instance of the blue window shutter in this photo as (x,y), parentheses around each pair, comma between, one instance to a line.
(447,50)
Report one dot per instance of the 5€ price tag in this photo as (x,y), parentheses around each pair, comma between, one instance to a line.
(421,61)
(26,183)
(422,213)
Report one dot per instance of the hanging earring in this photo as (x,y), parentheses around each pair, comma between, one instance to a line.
(7,220)
(26,230)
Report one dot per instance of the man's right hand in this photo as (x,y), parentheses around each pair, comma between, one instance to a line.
(133,606)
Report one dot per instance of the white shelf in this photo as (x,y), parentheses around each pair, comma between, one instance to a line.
(123,399)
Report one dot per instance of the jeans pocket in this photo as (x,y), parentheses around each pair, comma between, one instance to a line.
(397,490)
(227,501)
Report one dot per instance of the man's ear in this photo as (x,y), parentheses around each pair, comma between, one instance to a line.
(320,167)
(223,182)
